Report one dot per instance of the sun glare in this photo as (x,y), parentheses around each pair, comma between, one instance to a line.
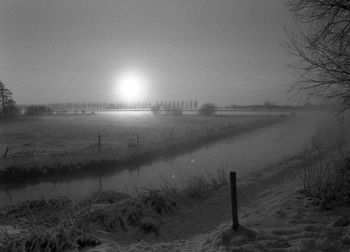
(131,86)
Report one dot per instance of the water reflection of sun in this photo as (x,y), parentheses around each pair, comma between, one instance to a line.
(131,86)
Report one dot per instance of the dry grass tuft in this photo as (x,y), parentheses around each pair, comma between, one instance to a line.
(325,180)
(65,224)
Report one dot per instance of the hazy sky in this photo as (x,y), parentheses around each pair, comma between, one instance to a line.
(223,51)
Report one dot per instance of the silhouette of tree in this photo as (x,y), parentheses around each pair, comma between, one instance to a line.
(207,109)
(323,51)
(7,103)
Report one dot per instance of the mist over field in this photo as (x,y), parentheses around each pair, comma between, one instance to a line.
(165,125)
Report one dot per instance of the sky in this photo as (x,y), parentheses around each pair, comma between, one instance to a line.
(220,51)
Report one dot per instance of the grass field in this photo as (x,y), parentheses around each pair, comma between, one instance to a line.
(64,140)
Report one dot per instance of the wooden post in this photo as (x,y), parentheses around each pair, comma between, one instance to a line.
(99,142)
(235,225)
(6,151)
(137,140)
(100,184)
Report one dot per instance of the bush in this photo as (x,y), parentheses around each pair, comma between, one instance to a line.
(207,109)
(12,109)
(155,109)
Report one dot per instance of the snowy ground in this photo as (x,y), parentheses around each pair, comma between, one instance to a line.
(273,217)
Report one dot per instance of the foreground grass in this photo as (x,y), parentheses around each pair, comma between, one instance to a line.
(324,178)
(63,224)
(52,145)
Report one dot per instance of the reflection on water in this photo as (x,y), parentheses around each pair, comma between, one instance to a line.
(245,153)
(237,112)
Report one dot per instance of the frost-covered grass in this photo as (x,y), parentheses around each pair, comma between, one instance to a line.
(325,180)
(325,173)
(58,224)
(43,225)
(64,143)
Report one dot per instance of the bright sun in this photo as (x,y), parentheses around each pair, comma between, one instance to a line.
(131,86)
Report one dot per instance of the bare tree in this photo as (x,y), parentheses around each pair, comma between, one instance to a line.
(322,48)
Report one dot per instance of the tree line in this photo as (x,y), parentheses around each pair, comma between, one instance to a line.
(96,106)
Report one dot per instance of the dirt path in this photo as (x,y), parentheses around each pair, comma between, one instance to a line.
(206,216)
(209,214)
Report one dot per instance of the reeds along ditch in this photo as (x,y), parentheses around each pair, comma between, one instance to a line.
(325,178)
(62,223)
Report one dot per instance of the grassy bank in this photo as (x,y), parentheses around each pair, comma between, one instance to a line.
(64,224)
(52,145)
(273,215)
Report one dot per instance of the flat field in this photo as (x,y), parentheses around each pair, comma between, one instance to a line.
(49,140)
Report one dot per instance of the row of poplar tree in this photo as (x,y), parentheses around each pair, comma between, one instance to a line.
(95,106)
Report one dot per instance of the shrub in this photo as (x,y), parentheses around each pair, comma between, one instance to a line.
(207,109)
(11,108)
(155,109)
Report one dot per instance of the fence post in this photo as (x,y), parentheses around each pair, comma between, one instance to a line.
(6,151)
(99,142)
(100,184)
(235,225)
